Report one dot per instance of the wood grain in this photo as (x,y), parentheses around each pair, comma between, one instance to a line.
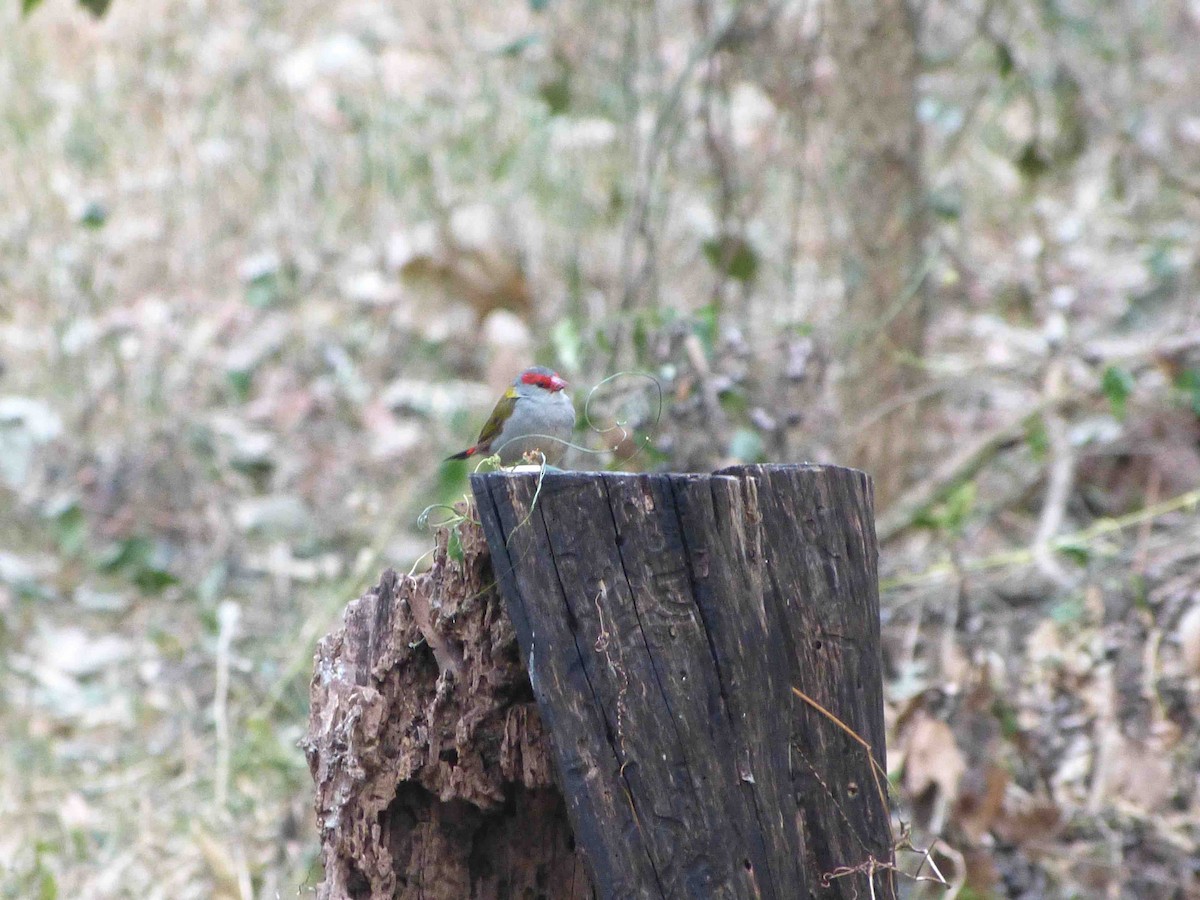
(664,620)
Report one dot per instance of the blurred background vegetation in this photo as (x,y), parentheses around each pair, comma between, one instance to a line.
(262,265)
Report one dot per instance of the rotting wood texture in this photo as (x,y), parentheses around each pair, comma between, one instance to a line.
(664,621)
(432,770)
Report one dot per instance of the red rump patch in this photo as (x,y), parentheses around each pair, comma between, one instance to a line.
(550,383)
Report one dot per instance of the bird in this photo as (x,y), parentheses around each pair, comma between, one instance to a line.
(532,422)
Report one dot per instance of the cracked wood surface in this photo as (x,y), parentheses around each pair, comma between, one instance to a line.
(664,620)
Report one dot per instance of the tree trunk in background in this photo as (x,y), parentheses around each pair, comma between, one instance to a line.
(877,187)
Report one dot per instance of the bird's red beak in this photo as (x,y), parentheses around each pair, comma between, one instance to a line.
(557,383)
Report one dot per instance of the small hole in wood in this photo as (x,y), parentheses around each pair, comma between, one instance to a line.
(746,865)
(818,645)
(852,789)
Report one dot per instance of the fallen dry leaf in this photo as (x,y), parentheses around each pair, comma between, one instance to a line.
(933,764)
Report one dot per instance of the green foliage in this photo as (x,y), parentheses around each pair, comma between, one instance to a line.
(734,401)
(1004,59)
(952,513)
(1188,382)
(1006,715)
(1078,551)
(264,290)
(1031,162)
(1036,438)
(556,93)
(454,547)
(96,7)
(1117,384)
(140,560)
(240,382)
(68,526)
(38,881)
(733,256)
(93,215)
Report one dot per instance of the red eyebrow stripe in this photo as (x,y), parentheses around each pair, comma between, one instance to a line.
(544,381)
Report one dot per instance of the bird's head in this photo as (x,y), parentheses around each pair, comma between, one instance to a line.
(541,378)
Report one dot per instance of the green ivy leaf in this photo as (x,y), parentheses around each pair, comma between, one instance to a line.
(1078,551)
(1036,438)
(124,554)
(733,256)
(139,560)
(556,94)
(454,547)
(1117,385)
(152,580)
(1031,162)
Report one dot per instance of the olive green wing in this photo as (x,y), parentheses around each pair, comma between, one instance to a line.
(495,423)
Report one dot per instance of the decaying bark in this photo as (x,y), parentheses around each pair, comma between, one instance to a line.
(432,770)
(704,653)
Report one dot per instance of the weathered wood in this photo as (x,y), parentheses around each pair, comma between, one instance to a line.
(822,585)
(664,621)
(432,770)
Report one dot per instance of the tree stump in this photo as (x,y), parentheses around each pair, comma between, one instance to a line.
(667,622)
(704,653)
(432,771)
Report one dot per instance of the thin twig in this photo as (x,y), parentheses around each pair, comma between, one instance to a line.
(1024,556)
